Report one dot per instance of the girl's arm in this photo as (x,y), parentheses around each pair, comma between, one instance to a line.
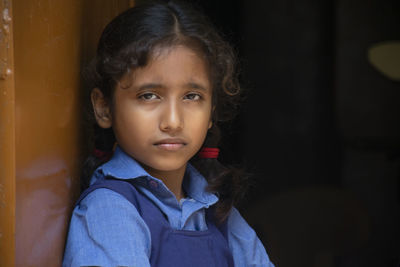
(107,230)
(246,248)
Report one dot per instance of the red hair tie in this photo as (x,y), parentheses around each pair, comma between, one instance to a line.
(209,153)
(102,155)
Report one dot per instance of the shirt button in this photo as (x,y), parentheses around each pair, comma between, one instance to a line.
(153,184)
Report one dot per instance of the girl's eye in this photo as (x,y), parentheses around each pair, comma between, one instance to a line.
(148,96)
(193,96)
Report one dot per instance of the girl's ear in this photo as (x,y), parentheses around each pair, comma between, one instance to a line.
(101,109)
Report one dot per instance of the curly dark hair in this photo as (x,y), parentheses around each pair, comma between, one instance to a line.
(128,42)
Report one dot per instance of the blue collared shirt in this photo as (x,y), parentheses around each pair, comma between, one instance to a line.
(107,230)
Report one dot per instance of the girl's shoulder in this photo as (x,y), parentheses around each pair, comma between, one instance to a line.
(106,205)
(108,190)
(243,239)
(238,225)
(105,217)
(101,198)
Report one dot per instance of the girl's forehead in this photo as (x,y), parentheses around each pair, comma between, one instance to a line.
(177,64)
(175,57)
(177,50)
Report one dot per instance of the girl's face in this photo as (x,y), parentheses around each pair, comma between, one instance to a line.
(162,118)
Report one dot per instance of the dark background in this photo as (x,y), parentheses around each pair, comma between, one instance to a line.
(320,129)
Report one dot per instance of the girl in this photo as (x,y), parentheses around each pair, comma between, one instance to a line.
(163,78)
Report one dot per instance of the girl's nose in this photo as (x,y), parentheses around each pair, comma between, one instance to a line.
(171,117)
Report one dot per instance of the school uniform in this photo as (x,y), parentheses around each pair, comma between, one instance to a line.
(129,218)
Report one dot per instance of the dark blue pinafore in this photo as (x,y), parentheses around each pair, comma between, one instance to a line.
(170,247)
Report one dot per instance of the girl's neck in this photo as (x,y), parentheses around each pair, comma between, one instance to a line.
(172,179)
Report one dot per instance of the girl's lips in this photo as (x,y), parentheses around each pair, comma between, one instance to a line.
(170,147)
(171,144)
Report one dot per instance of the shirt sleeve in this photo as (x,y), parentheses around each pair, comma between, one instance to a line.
(107,230)
(246,247)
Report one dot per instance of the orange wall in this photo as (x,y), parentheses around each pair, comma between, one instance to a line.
(47,60)
(41,137)
(7,137)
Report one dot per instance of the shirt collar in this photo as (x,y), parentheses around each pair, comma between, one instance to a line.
(123,166)
(195,186)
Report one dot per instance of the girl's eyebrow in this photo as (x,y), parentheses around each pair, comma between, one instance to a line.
(190,85)
(148,86)
(194,85)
